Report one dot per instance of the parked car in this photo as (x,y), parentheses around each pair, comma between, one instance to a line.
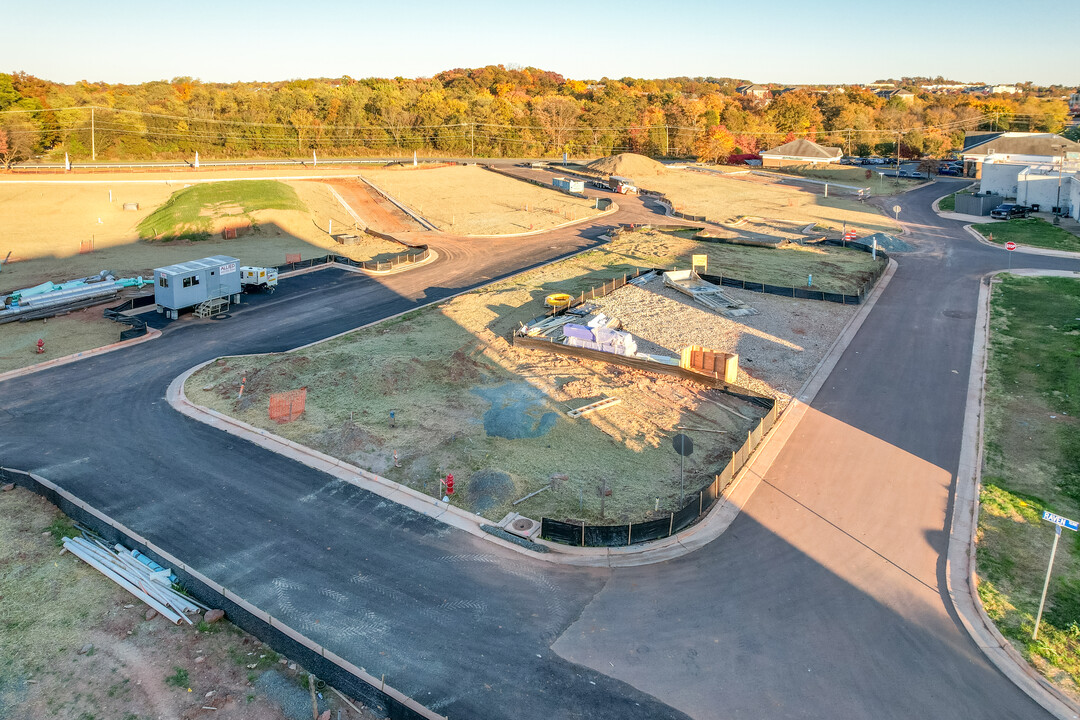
(1008,211)
(947,170)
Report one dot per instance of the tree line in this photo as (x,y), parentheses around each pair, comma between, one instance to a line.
(491,111)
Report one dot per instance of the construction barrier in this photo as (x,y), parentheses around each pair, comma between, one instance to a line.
(288,406)
(414,255)
(584,535)
(378,695)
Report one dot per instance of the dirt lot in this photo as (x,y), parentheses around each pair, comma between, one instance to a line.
(53,606)
(727,198)
(468,402)
(832,269)
(469,200)
(44,226)
(873,183)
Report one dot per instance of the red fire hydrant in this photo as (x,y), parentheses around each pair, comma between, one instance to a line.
(40,346)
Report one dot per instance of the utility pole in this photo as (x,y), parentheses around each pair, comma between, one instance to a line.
(897,158)
(93,142)
(1061,166)
(472,140)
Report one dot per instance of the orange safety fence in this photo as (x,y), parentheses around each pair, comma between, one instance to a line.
(287,406)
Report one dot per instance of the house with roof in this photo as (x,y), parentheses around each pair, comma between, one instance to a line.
(800,152)
(758,92)
(904,95)
(997,158)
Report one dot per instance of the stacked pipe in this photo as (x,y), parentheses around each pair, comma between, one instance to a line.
(151,584)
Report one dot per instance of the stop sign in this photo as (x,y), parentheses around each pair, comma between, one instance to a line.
(1010,245)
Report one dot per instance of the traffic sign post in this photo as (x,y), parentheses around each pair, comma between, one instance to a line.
(684,446)
(1059,522)
(896,211)
(1010,246)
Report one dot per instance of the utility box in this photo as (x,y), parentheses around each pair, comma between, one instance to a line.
(197,283)
(574,186)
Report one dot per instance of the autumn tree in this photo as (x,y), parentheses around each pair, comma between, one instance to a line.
(20,136)
(714,145)
(558,117)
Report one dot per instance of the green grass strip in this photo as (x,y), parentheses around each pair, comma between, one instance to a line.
(1033,232)
(189,213)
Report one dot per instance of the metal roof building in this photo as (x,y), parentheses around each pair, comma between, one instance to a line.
(192,283)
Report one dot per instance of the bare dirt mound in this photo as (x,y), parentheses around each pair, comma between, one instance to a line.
(626,165)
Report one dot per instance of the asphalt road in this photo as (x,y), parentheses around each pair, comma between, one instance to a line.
(825,598)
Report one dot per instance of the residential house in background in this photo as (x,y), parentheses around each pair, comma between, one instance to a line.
(903,95)
(758,92)
(799,152)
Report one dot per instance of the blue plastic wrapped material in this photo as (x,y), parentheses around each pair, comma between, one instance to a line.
(573,330)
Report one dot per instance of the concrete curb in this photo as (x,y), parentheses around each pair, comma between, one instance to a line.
(151,334)
(1026,249)
(714,524)
(960,574)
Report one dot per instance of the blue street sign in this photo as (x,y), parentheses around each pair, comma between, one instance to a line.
(1063,522)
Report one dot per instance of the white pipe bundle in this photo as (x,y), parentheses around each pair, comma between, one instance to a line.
(152,587)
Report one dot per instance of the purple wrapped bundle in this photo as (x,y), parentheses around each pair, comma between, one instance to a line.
(578,331)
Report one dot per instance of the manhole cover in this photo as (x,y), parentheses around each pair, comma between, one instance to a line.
(522,524)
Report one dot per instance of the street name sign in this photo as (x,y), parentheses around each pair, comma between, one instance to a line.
(1061,521)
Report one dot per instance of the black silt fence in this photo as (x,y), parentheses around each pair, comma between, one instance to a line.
(607,535)
(137,325)
(685,516)
(282,639)
(561,532)
(419,253)
(650,530)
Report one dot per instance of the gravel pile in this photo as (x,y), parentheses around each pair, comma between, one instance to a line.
(778,348)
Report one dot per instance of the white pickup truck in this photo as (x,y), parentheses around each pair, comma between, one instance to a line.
(258,278)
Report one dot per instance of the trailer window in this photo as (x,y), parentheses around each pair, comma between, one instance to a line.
(163,281)
(191,281)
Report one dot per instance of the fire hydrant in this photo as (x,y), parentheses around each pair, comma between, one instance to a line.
(40,346)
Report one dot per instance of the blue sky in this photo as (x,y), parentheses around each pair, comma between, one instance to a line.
(780,41)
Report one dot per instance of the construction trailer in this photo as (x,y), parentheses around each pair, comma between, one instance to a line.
(208,285)
(574,186)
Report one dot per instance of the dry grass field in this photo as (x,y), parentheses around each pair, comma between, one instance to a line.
(44,226)
(65,335)
(725,199)
(469,200)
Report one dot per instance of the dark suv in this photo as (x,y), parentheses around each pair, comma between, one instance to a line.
(1008,211)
